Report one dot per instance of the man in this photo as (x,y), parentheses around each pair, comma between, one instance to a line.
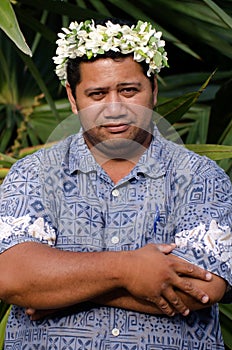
(101,234)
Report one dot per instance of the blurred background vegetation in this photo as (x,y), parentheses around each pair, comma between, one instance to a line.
(195,93)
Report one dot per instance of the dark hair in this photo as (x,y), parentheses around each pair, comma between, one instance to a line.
(73,66)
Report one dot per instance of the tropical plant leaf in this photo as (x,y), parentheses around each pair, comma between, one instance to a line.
(202,22)
(205,11)
(226,310)
(7,158)
(194,124)
(3,173)
(215,152)
(36,25)
(100,7)
(220,126)
(225,322)
(3,309)
(63,8)
(4,314)
(37,76)
(175,108)
(219,12)
(9,24)
(42,116)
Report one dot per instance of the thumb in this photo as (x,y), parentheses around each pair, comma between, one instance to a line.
(166,248)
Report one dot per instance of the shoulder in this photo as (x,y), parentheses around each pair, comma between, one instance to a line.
(177,157)
(31,165)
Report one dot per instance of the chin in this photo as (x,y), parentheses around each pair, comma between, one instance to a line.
(120,148)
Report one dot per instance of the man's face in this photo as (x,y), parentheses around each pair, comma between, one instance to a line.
(115,101)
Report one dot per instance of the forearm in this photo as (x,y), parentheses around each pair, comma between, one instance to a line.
(123,300)
(120,298)
(35,275)
(39,277)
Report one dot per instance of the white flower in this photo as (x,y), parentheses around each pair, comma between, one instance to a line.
(17,225)
(217,240)
(87,39)
(41,230)
(5,229)
(10,226)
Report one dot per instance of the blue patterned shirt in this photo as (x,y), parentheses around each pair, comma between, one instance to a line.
(62,197)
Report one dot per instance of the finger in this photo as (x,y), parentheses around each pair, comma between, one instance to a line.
(30,311)
(188,287)
(176,302)
(188,269)
(163,305)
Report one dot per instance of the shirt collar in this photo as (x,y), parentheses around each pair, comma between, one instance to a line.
(150,163)
(80,157)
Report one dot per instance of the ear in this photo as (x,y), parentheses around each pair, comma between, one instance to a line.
(155,91)
(71,99)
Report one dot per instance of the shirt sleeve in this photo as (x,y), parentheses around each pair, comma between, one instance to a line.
(23,213)
(212,247)
(203,220)
(24,229)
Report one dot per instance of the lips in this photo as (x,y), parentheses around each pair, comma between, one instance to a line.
(116,128)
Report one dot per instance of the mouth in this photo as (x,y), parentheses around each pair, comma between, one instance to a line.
(116,128)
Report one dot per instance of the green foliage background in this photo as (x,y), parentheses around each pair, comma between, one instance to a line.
(194,93)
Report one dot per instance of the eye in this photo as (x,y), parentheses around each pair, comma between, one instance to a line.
(129,91)
(97,95)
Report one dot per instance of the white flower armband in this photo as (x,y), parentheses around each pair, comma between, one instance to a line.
(213,246)
(22,228)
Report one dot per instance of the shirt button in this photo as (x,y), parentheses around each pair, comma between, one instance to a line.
(115,240)
(115,332)
(115,192)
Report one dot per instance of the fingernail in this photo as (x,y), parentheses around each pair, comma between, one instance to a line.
(186,312)
(205,299)
(208,276)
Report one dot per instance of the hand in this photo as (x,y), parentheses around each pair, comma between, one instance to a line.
(153,276)
(36,315)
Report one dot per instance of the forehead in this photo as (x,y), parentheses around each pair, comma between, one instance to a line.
(111,70)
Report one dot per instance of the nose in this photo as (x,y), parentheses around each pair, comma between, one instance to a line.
(114,107)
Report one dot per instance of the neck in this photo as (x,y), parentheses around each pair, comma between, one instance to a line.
(117,169)
(119,164)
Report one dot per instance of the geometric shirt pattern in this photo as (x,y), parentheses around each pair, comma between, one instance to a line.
(168,191)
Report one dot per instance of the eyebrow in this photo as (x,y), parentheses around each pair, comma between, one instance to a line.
(130,83)
(106,88)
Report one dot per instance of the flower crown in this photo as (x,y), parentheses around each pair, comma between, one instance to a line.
(90,40)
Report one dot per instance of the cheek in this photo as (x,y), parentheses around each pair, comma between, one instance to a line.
(87,123)
(82,103)
(88,115)
(146,99)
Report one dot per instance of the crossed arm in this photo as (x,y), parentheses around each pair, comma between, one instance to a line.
(149,280)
